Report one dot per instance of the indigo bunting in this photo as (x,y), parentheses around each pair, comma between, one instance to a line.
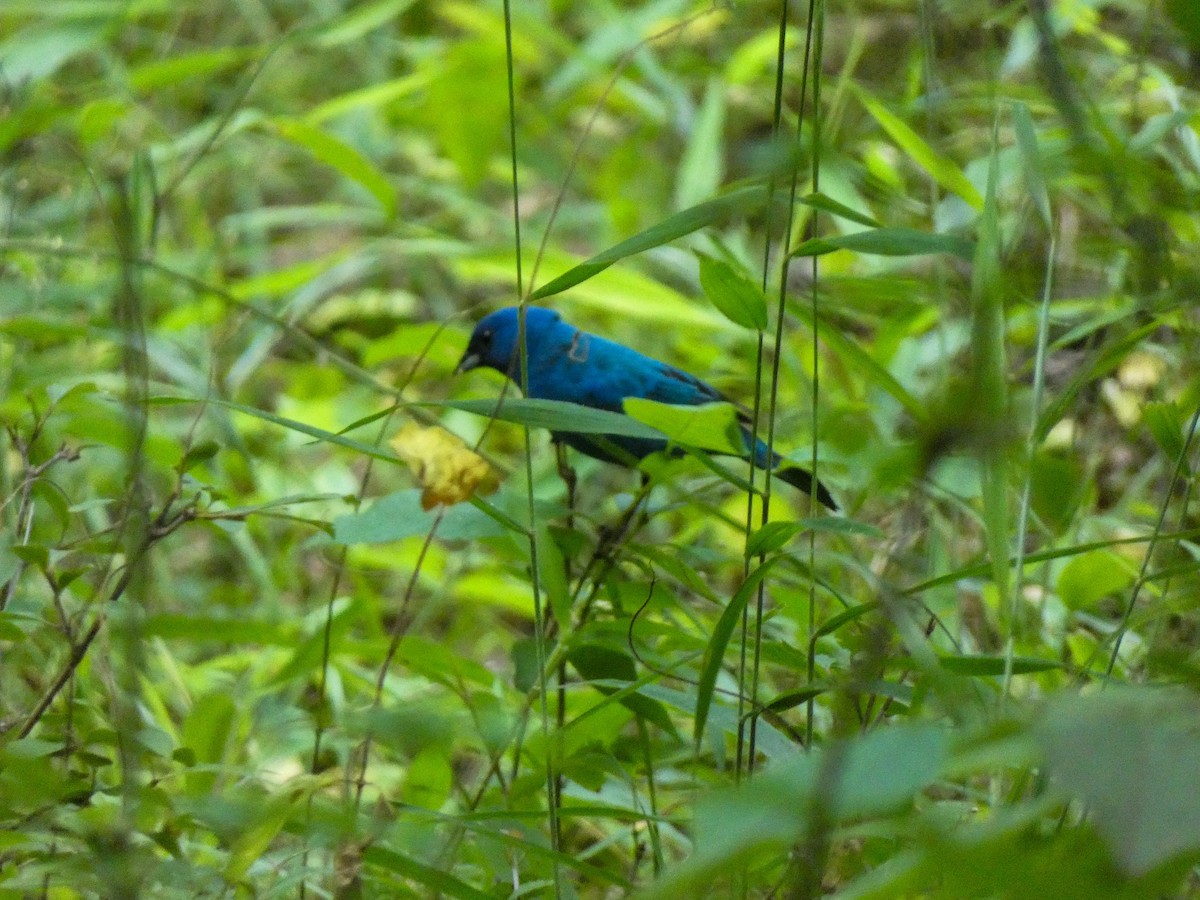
(565,363)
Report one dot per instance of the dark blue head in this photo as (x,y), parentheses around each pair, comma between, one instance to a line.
(494,340)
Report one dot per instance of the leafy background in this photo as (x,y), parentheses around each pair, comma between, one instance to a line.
(244,243)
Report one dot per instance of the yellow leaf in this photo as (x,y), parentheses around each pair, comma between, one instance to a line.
(449,472)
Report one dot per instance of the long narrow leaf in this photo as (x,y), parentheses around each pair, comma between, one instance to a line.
(744,201)
(714,653)
(889,242)
(555,415)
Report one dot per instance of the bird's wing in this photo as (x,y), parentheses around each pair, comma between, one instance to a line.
(668,384)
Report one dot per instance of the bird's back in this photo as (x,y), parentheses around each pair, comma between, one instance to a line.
(573,365)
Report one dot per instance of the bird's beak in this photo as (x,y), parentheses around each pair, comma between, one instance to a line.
(468,362)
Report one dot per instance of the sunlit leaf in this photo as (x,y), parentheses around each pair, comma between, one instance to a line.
(710,426)
(736,296)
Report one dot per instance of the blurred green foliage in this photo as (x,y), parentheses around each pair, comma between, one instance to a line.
(243,243)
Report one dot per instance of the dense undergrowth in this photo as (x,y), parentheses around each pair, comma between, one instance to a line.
(952,253)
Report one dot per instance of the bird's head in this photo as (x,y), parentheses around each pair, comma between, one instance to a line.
(494,340)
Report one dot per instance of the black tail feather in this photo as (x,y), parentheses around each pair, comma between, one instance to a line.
(802,479)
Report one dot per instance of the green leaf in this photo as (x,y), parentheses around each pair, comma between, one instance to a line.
(165,73)
(310,653)
(437,881)
(889,242)
(701,168)
(339,155)
(552,572)
(207,731)
(943,170)
(1186,16)
(555,415)
(1031,161)
(745,200)
(874,775)
(738,298)
(1165,422)
(845,616)
(252,843)
(829,205)
(775,535)
(853,353)
(197,454)
(710,426)
(31,54)
(1091,577)
(398,516)
(714,653)
(994,665)
(1132,756)
(597,663)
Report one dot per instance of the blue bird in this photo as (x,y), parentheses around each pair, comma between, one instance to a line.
(565,363)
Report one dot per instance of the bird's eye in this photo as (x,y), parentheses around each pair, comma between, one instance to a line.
(486,337)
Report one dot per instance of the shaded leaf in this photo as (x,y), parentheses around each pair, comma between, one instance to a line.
(1132,756)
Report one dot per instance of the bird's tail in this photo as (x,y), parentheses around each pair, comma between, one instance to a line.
(794,475)
(802,478)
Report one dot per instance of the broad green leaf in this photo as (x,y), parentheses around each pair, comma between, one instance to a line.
(398,516)
(736,296)
(377,95)
(889,242)
(309,654)
(773,811)
(466,104)
(744,201)
(1059,485)
(792,699)
(944,171)
(555,415)
(710,426)
(598,663)
(339,155)
(277,282)
(207,732)
(1091,577)
(1131,755)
